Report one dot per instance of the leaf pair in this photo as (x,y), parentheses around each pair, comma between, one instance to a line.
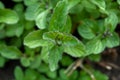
(99,35)
(37,13)
(61,42)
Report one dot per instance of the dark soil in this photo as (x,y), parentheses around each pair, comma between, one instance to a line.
(110,63)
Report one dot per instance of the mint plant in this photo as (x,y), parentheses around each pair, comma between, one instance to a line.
(42,33)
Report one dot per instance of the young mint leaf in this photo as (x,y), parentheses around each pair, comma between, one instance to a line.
(10,52)
(19,75)
(68,25)
(19,8)
(89,6)
(113,40)
(30,2)
(8,16)
(76,50)
(72,3)
(41,20)
(100,3)
(25,61)
(34,39)
(32,11)
(55,55)
(111,21)
(45,52)
(86,29)
(94,46)
(60,38)
(59,17)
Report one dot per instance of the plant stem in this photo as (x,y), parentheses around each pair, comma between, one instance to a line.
(75,65)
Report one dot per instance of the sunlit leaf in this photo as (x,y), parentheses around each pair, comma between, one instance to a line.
(32,11)
(59,17)
(87,29)
(41,21)
(76,51)
(8,16)
(95,46)
(60,38)
(54,56)
(111,21)
(34,39)
(113,40)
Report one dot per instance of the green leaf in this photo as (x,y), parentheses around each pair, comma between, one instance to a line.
(10,52)
(45,52)
(32,11)
(54,56)
(74,75)
(41,21)
(86,29)
(95,57)
(111,21)
(72,3)
(118,1)
(31,74)
(89,6)
(100,3)
(19,75)
(36,62)
(75,51)
(19,8)
(2,34)
(52,75)
(94,46)
(66,60)
(60,38)
(15,30)
(1,5)
(62,74)
(59,17)
(2,26)
(2,61)
(113,40)
(100,76)
(68,25)
(29,25)
(34,39)
(8,16)
(84,76)
(25,61)
(30,2)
